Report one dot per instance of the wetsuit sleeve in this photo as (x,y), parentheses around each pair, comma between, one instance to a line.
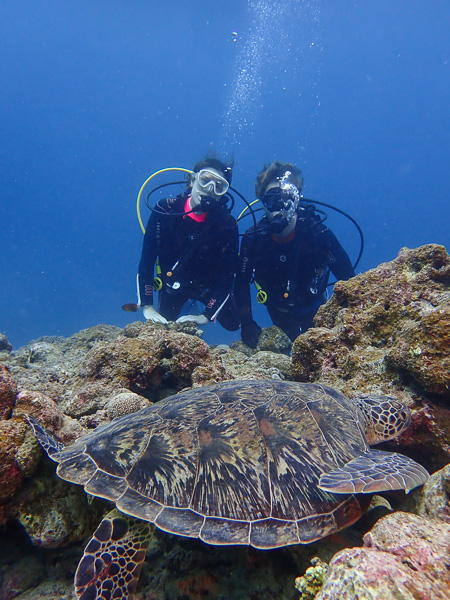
(228,264)
(244,274)
(147,262)
(337,257)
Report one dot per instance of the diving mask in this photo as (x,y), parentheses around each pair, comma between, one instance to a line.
(278,199)
(284,196)
(280,203)
(212,183)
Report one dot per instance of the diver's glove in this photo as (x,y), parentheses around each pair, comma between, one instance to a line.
(250,332)
(199,319)
(151,314)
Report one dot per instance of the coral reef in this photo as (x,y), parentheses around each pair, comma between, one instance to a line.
(146,359)
(422,351)
(47,590)
(383,332)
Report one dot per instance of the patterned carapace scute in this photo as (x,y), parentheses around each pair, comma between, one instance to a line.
(234,463)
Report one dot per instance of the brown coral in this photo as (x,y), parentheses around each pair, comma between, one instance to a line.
(423,351)
(8,392)
(125,403)
(144,359)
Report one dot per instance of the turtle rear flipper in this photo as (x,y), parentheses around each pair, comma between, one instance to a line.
(375,471)
(112,560)
(50,445)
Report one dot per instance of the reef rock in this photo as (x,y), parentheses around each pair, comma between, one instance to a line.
(387,331)
(21,575)
(8,392)
(433,499)
(49,414)
(141,360)
(4,343)
(19,456)
(404,556)
(274,360)
(49,364)
(49,590)
(272,339)
(84,374)
(399,310)
(228,363)
(55,513)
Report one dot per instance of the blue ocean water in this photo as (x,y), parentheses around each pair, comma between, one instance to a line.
(97,95)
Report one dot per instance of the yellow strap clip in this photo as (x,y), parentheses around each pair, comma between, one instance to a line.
(157,281)
(261,295)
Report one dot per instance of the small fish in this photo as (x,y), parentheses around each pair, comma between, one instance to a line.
(130,307)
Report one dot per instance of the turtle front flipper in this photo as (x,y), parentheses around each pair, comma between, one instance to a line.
(375,471)
(112,560)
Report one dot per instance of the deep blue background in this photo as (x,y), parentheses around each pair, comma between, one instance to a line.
(96,95)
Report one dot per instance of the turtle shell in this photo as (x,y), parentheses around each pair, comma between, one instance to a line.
(233,463)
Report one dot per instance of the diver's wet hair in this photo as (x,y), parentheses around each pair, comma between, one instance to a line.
(276,170)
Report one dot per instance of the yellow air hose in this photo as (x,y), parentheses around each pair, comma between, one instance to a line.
(138,203)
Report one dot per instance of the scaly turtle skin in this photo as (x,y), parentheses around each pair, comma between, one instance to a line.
(264,463)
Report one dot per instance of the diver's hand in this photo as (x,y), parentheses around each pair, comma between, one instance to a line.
(153,315)
(250,332)
(199,319)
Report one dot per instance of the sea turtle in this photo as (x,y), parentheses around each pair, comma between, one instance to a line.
(261,463)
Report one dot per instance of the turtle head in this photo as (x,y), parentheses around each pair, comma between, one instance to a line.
(384,417)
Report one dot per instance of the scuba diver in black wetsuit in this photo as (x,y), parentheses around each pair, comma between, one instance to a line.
(289,256)
(194,240)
